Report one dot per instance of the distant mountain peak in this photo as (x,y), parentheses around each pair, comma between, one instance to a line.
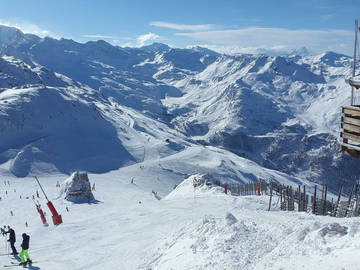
(204,50)
(156,47)
(9,35)
(302,51)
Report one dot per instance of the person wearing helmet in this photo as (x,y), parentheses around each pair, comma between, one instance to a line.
(24,254)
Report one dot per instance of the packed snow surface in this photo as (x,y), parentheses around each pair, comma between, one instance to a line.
(190,228)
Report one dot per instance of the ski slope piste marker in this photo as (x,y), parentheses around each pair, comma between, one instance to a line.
(57,219)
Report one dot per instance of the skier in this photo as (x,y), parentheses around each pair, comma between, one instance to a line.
(12,240)
(25,250)
(3,231)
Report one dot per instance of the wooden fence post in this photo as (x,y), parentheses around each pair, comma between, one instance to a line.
(270,196)
(338,202)
(305,201)
(314,201)
(299,198)
(356,213)
(349,201)
(324,202)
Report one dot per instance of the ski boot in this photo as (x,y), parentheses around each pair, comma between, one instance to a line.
(29,261)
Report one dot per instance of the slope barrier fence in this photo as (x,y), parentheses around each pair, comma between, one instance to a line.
(300,199)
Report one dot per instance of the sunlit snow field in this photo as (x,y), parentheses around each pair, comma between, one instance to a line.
(188,229)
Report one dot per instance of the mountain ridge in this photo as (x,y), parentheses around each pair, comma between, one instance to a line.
(278,111)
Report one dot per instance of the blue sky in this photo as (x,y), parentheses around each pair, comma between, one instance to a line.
(227,26)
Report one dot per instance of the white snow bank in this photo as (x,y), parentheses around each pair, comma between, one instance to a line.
(214,243)
(330,246)
(196,185)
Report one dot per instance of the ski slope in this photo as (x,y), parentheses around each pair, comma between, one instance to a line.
(190,228)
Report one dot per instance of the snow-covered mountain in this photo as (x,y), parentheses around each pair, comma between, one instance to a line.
(65,105)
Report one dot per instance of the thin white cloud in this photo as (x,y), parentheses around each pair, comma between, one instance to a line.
(29,28)
(233,49)
(144,39)
(257,37)
(183,27)
(327,17)
(98,36)
(115,39)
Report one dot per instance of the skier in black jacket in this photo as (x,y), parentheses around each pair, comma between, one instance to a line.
(25,250)
(12,240)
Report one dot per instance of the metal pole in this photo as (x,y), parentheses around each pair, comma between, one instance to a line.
(354,64)
(355,46)
(41,188)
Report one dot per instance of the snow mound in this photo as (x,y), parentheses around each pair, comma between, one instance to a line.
(196,185)
(213,244)
(317,246)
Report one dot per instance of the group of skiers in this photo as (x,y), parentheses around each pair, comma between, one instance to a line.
(24,254)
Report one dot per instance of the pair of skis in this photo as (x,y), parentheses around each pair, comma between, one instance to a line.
(13,264)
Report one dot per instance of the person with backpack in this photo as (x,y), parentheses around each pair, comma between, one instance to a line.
(24,254)
(12,240)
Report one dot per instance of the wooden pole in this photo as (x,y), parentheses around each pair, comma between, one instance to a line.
(349,200)
(314,201)
(338,201)
(357,200)
(287,197)
(324,202)
(270,196)
(299,198)
(305,202)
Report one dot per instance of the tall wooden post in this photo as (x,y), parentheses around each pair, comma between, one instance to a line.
(325,202)
(271,191)
(305,201)
(338,202)
(314,201)
(299,198)
(349,201)
(357,200)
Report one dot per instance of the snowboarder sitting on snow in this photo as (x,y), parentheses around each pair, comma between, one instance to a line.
(12,240)
(25,250)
